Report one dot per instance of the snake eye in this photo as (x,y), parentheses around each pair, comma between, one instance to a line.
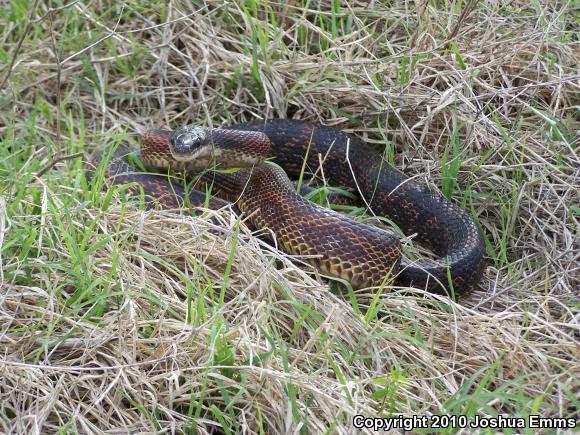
(187,141)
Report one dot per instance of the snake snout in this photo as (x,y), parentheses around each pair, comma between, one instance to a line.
(186,143)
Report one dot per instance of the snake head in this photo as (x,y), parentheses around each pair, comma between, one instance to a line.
(190,142)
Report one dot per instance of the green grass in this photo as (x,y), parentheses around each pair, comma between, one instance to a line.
(144,319)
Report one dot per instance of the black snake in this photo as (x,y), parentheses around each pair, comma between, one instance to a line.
(362,254)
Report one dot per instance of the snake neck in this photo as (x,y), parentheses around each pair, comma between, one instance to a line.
(241,150)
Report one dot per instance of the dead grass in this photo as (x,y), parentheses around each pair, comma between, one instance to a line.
(124,320)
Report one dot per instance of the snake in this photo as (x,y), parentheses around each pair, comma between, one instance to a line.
(268,153)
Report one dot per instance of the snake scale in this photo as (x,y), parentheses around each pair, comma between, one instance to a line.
(336,245)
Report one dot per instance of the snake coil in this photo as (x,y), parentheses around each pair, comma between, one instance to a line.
(360,253)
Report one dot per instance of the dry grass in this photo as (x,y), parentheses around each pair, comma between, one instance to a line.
(124,320)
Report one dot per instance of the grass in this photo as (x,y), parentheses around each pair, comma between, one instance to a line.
(115,317)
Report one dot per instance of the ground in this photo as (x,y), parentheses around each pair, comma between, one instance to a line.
(121,318)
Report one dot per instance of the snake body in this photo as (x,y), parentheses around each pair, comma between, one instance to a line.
(362,254)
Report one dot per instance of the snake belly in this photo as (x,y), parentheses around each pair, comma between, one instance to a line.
(362,254)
